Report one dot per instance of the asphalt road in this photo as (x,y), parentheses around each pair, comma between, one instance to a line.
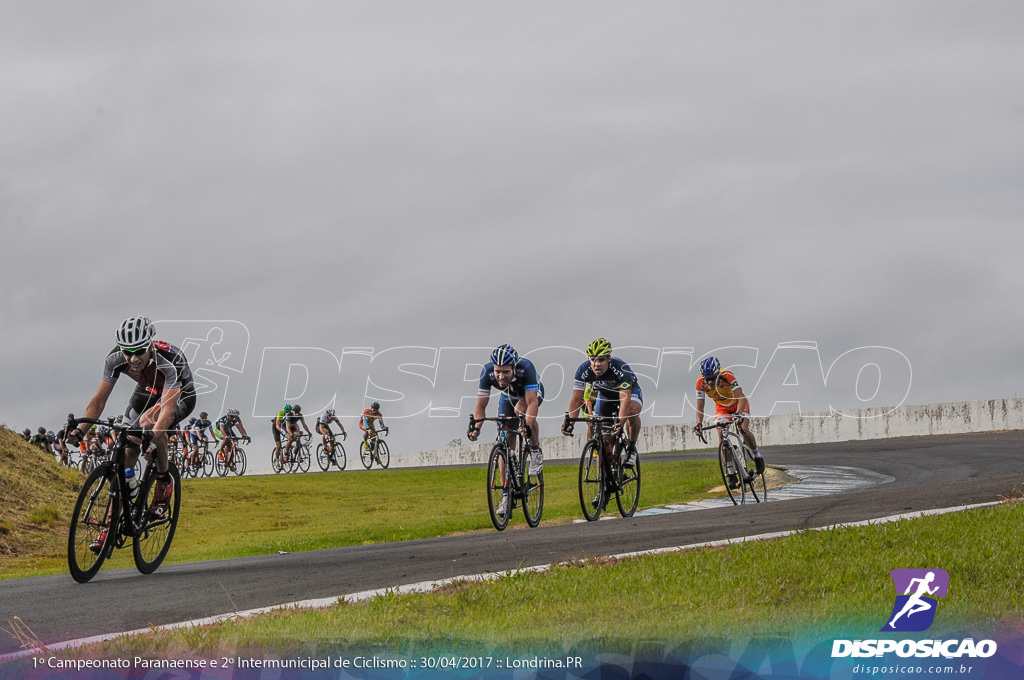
(928,473)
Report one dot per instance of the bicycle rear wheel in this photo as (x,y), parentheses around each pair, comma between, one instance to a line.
(497,487)
(323,457)
(154,534)
(97,503)
(628,495)
(365,455)
(591,482)
(758,486)
(383,455)
(725,462)
(533,487)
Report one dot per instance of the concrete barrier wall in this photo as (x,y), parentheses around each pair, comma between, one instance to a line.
(808,428)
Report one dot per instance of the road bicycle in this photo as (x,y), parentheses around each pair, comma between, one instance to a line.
(603,472)
(509,483)
(332,454)
(231,458)
(737,464)
(292,457)
(377,451)
(108,516)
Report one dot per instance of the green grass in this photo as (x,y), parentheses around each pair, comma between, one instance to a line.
(805,585)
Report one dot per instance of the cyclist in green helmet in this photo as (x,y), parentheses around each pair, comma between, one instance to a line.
(618,392)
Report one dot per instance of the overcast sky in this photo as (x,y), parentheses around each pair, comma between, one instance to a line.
(461,174)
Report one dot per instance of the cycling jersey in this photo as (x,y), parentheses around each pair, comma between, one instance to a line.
(325,419)
(524,379)
(367,418)
(201,425)
(619,376)
(167,369)
(723,392)
(227,423)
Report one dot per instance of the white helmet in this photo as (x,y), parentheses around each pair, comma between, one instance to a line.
(135,332)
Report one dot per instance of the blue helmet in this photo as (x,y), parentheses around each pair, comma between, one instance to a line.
(710,367)
(505,355)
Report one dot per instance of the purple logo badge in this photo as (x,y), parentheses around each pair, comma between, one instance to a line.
(916,593)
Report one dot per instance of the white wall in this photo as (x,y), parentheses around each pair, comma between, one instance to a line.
(808,428)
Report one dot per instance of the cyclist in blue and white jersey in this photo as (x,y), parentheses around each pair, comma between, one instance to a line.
(202,425)
(618,392)
(521,394)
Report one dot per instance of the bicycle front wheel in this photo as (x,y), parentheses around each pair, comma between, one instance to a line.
(340,459)
(628,495)
(725,463)
(153,535)
(276,462)
(383,455)
(499,502)
(591,482)
(207,464)
(221,465)
(97,503)
(533,490)
(304,457)
(365,455)
(758,486)
(240,461)
(323,457)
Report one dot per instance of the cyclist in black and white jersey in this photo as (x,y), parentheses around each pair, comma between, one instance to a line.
(226,424)
(323,425)
(164,395)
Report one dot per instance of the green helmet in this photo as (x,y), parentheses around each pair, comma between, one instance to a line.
(599,348)
(287,408)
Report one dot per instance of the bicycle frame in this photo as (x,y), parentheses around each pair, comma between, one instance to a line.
(109,515)
(732,440)
(614,478)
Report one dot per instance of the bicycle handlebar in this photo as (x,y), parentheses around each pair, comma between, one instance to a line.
(145,433)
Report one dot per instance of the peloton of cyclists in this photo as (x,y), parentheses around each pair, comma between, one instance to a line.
(730,404)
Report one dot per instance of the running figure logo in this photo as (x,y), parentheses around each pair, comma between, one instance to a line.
(914,610)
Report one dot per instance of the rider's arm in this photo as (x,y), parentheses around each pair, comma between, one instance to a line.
(479,413)
(575,402)
(95,407)
(165,421)
(241,428)
(700,411)
(304,426)
(742,405)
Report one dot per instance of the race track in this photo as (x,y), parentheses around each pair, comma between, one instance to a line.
(926,473)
